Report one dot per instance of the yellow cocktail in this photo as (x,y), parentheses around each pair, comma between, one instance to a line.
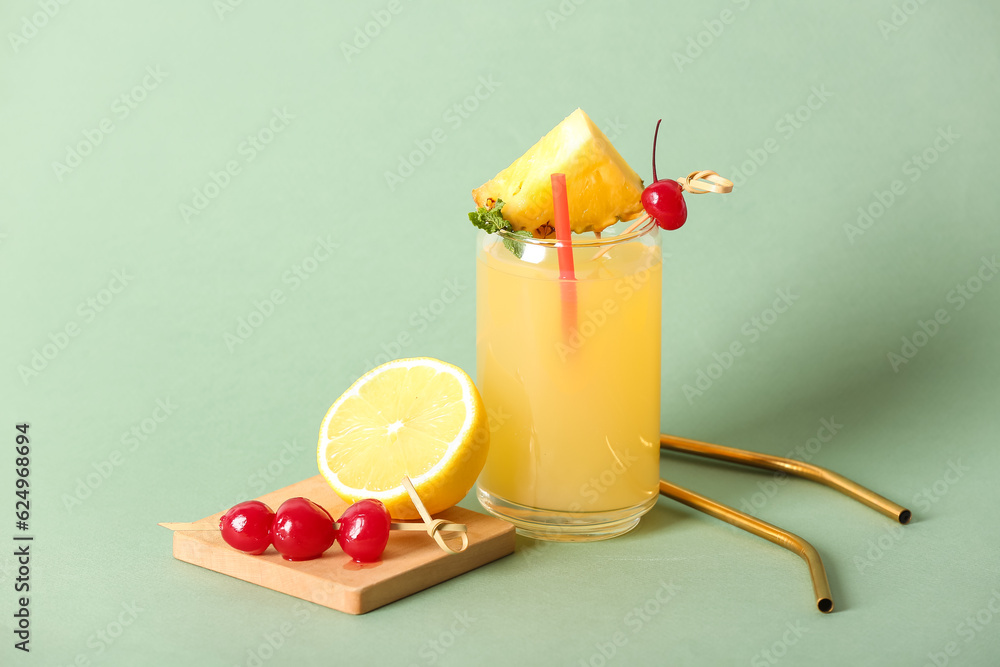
(574,400)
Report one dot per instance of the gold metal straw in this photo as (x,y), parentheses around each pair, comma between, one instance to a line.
(790,541)
(792,467)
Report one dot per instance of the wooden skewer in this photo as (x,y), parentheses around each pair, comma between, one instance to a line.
(701,182)
(697,183)
(194,525)
(433,527)
(202,526)
(628,230)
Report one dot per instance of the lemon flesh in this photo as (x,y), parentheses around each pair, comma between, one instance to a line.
(602,188)
(421,418)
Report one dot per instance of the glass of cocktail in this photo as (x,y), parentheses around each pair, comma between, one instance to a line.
(569,369)
(568,286)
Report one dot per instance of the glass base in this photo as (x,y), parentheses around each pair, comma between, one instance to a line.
(556,526)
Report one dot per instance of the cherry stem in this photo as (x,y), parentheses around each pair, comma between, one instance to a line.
(656,133)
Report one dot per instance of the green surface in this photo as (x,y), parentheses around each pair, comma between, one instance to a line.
(244,415)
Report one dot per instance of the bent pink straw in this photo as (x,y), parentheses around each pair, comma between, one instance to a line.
(564,245)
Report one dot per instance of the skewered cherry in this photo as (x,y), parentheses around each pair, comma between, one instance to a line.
(364,530)
(302,530)
(247,527)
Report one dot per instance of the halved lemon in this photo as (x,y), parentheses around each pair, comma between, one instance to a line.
(420,417)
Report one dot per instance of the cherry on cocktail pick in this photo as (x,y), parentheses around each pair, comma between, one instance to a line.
(664,200)
(364,530)
(302,530)
(247,527)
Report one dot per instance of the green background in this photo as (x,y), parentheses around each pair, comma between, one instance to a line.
(885,81)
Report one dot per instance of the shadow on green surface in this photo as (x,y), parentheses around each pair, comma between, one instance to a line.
(662,517)
(665,515)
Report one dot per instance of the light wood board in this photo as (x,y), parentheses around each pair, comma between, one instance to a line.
(411,562)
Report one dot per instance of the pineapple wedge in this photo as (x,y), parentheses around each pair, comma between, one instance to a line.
(602,188)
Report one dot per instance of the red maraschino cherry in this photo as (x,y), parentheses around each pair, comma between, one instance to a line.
(302,530)
(247,527)
(664,200)
(364,530)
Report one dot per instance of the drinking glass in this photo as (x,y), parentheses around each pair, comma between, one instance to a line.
(569,370)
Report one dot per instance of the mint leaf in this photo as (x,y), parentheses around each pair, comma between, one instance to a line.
(489,219)
(516,247)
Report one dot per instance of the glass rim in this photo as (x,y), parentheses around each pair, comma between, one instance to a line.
(639,231)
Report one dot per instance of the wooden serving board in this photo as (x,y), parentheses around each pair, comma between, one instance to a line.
(412,560)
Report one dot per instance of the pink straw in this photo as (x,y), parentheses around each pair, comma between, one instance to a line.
(560,204)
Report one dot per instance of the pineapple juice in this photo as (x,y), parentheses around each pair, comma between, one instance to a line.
(574,408)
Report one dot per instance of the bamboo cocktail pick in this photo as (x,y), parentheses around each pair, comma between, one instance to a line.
(697,183)
(434,527)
